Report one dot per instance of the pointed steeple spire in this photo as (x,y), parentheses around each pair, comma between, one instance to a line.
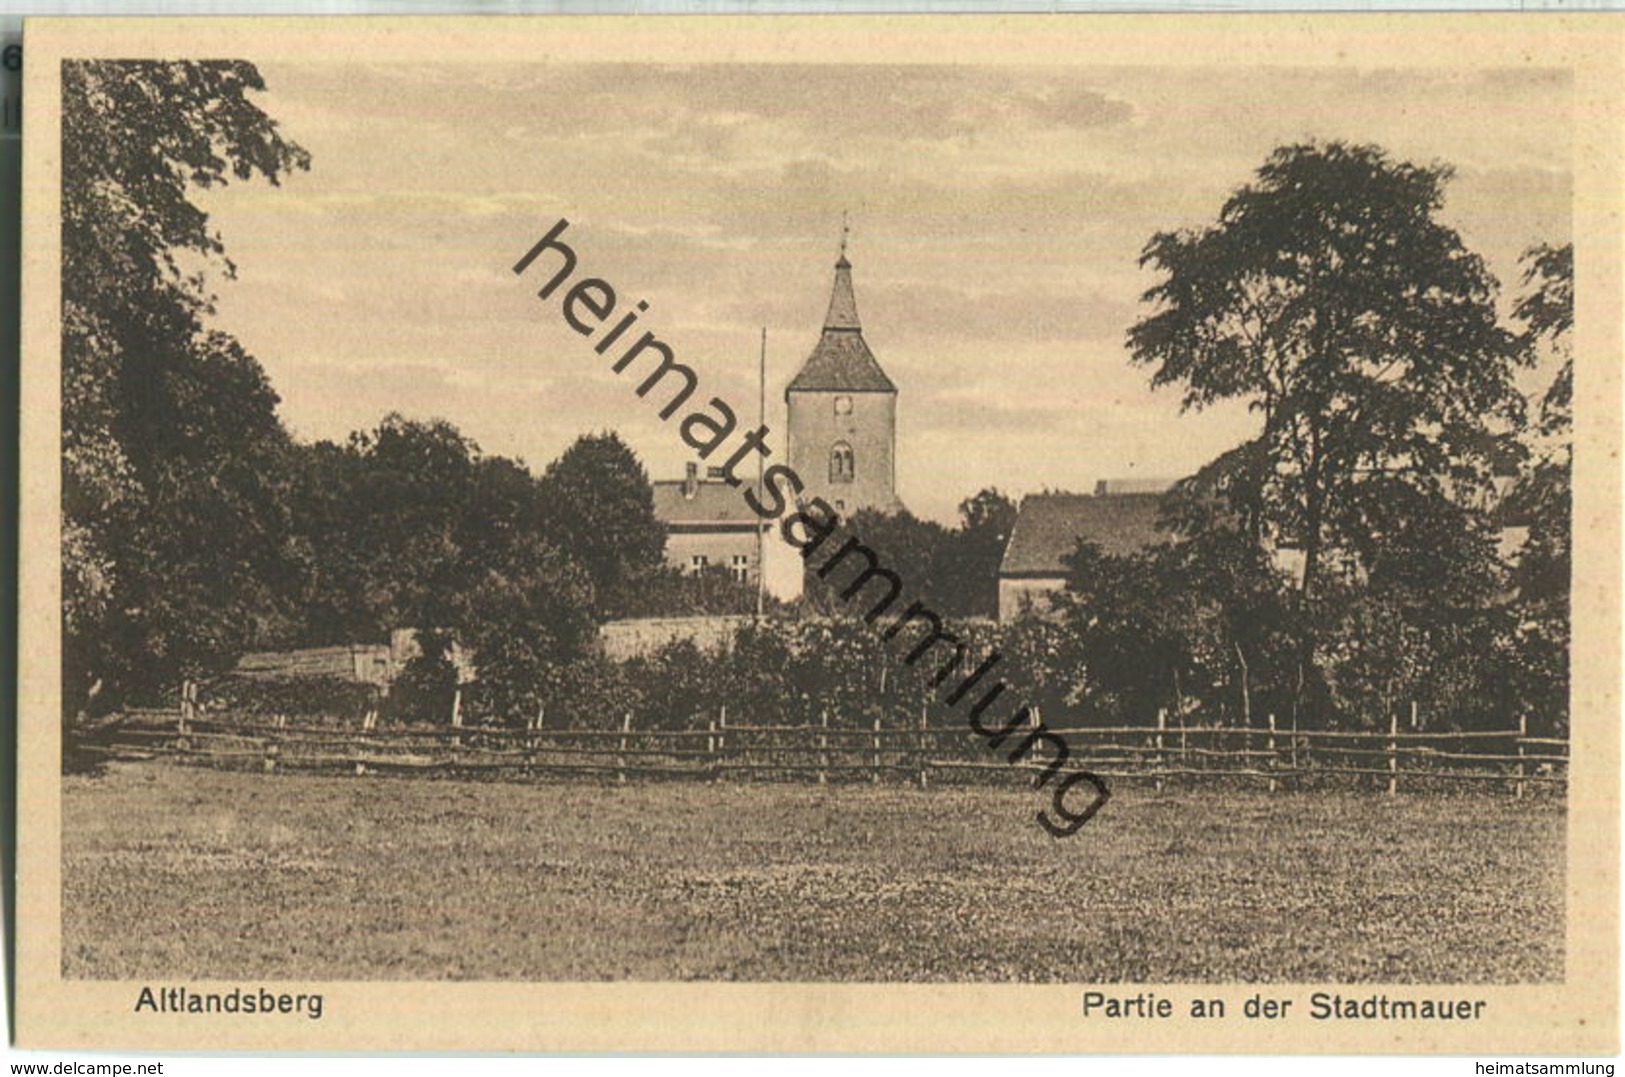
(843,306)
(842,361)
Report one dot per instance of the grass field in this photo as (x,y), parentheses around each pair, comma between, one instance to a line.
(176,872)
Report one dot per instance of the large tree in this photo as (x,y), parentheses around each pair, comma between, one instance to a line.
(971,567)
(1539,642)
(527,614)
(600,508)
(404,522)
(174,551)
(408,525)
(1545,494)
(1200,623)
(1332,298)
(953,571)
(388,523)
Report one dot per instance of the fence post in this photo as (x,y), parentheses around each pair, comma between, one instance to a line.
(722,737)
(876,778)
(711,748)
(1270,747)
(1393,752)
(1523,731)
(1035,721)
(620,758)
(1295,744)
(183,722)
(457,715)
(1162,761)
(357,747)
(823,746)
(919,745)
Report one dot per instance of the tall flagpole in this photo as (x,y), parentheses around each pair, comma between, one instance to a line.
(761,529)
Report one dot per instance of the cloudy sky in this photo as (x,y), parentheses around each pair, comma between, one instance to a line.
(996,217)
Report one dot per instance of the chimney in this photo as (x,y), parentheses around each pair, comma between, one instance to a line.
(691,481)
(1101,487)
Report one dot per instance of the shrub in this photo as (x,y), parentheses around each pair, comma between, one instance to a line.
(329,698)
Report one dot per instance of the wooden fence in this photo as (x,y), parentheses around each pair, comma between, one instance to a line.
(904,750)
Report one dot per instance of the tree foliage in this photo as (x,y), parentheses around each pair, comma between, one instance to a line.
(523,616)
(1203,624)
(1544,494)
(1331,298)
(713,591)
(410,525)
(1335,302)
(400,521)
(1543,498)
(600,505)
(954,571)
(174,553)
(970,567)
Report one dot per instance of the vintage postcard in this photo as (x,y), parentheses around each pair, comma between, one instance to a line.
(997,534)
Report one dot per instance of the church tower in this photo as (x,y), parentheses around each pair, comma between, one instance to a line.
(842,437)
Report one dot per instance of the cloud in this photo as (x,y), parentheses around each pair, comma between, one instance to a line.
(922,310)
(840,101)
(997,212)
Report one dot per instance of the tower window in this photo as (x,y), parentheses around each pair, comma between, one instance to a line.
(843,405)
(842,468)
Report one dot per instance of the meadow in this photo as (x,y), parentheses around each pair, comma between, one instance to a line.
(181,872)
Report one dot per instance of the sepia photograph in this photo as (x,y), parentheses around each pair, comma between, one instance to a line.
(540,506)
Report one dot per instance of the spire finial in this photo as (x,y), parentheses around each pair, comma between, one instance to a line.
(843,309)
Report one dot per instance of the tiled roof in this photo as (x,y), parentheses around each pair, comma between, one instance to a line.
(842,361)
(1048,527)
(714,502)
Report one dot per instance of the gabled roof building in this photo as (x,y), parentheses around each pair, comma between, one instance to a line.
(841,438)
(1049,527)
(842,422)
(710,525)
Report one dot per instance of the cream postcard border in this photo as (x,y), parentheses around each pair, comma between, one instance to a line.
(1578,1016)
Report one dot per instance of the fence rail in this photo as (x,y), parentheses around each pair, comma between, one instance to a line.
(908,748)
